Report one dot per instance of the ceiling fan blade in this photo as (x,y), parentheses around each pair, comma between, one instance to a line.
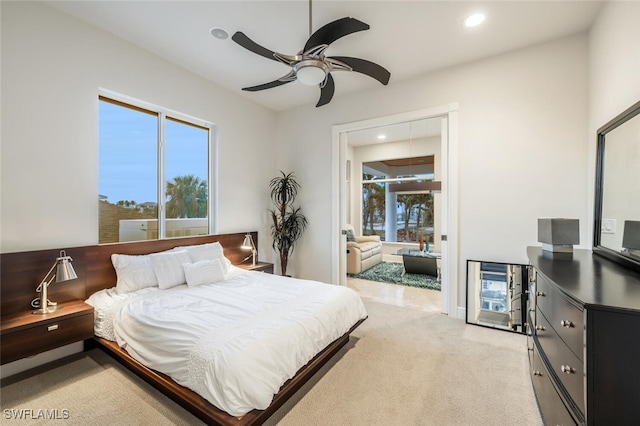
(326,91)
(247,43)
(269,85)
(363,66)
(333,31)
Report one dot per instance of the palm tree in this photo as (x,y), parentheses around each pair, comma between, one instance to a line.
(409,202)
(418,203)
(187,197)
(373,200)
(288,221)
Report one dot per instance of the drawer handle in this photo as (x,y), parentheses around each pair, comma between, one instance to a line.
(541,294)
(567,369)
(52,327)
(540,327)
(567,324)
(537,373)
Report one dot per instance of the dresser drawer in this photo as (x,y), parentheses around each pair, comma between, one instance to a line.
(516,283)
(553,409)
(530,345)
(46,335)
(562,315)
(516,311)
(566,366)
(531,302)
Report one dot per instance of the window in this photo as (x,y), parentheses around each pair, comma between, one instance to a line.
(155,169)
(398,182)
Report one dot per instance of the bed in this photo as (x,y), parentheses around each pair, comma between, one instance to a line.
(243,341)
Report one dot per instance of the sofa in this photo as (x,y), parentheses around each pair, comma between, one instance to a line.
(363,252)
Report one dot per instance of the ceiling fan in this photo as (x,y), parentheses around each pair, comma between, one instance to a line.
(310,66)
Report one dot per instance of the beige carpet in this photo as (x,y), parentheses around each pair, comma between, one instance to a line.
(401,367)
(91,390)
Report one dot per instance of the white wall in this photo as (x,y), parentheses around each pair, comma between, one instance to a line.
(52,67)
(522,149)
(614,74)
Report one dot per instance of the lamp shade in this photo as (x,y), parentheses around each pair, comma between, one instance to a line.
(558,231)
(631,235)
(247,244)
(64,270)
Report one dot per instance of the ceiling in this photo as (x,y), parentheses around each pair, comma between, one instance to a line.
(409,38)
(407,131)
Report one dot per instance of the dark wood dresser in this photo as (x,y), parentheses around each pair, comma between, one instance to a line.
(583,331)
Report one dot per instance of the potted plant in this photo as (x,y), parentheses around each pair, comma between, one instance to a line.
(288,221)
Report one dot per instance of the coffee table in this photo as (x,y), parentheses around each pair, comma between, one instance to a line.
(419,262)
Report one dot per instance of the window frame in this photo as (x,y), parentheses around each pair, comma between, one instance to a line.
(163,114)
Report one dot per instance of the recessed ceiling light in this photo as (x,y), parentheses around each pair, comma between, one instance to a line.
(474,20)
(219,33)
(381,136)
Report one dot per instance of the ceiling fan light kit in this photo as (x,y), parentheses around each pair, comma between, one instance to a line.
(310,66)
(311,71)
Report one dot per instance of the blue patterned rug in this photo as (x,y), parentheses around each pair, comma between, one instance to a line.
(391,272)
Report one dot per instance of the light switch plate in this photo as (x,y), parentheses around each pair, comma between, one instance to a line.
(608,226)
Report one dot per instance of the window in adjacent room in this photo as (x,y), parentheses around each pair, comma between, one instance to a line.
(410,215)
(155,168)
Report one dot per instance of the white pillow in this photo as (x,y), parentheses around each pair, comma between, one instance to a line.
(209,251)
(203,272)
(133,272)
(168,268)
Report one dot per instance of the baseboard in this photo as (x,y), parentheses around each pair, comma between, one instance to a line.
(461,313)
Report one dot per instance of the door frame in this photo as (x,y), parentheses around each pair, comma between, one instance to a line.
(449,222)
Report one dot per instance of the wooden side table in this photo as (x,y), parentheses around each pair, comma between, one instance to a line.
(260,266)
(24,334)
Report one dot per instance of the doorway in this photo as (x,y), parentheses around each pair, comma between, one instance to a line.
(344,198)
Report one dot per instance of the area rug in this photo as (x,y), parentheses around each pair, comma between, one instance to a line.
(391,272)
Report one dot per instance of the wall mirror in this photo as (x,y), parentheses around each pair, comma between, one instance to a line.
(617,189)
(497,295)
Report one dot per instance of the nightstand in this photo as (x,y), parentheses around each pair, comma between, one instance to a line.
(25,334)
(260,267)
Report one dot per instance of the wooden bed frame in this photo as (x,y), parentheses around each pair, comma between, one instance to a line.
(21,272)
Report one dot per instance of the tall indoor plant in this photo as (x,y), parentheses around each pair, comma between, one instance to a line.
(288,221)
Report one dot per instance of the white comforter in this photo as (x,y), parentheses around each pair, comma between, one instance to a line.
(237,341)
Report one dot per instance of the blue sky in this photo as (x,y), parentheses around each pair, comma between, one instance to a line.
(128,153)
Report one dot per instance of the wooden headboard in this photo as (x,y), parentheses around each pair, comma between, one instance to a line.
(20,273)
